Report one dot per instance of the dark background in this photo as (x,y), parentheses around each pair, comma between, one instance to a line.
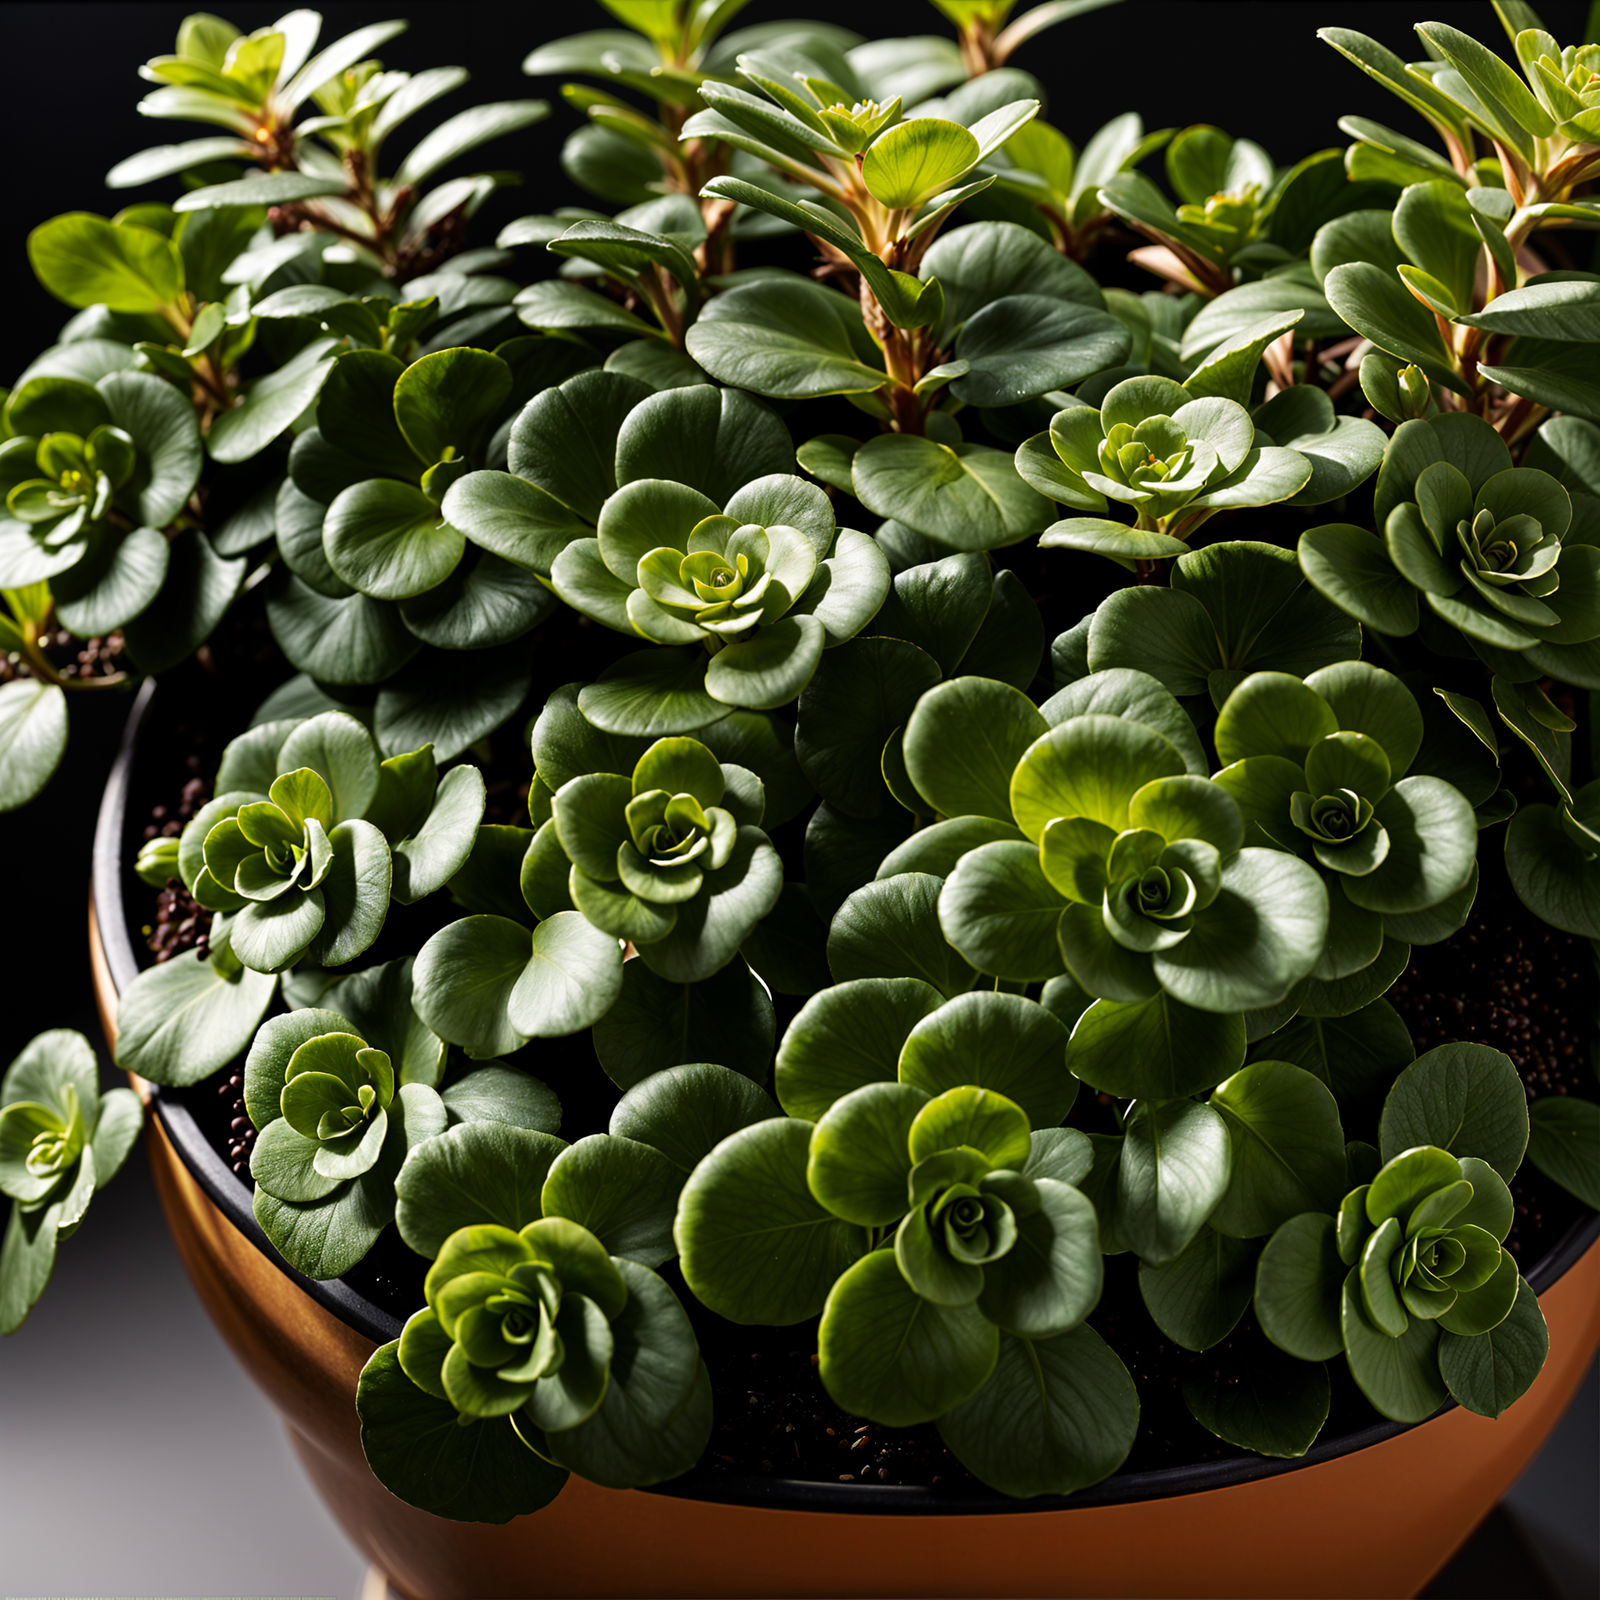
(134,1456)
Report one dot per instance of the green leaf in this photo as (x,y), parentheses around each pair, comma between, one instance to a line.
(516,520)
(178,1022)
(1288,1148)
(653,1024)
(572,977)
(965,496)
(1464,1098)
(498,1093)
(355,894)
(1487,1372)
(846,1037)
(1356,1055)
(1025,345)
(650,693)
(710,928)
(388,540)
(1267,1401)
(1197,1298)
(912,161)
(465,131)
(564,440)
(654,1420)
(1090,766)
(1051,1277)
(1262,933)
(714,440)
(1399,1376)
(1380,308)
(260,189)
(270,403)
(1000,911)
(787,338)
(161,423)
(1228,371)
(464,977)
(428,857)
(200,587)
(116,580)
(771,667)
(963,742)
(685,1112)
(1351,568)
(888,1354)
(418,1449)
(755,1245)
(1553,877)
(33,738)
(1136,696)
(996,1041)
(1056,1415)
(1174,1170)
(623,1192)
(860,1160)
(27,1258)
(325,1238)
(890,929)
(841,730)
(1154,1049)
(86,261)
(121,1118)
(1299,1286)
(1563,1136)
(473,1175)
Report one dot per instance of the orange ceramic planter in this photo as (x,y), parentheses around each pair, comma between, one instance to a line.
(1377,1521)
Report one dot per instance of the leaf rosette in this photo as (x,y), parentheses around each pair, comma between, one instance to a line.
(1502,554)
(759,588)
(60,1140)
(339,1129)
(669,857)
(1320,768)
(311,834)
(90,476)
(1173,457)
(1133,861)
(1413,1260)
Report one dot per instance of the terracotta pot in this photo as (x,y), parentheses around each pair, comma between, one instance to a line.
(1377,1513)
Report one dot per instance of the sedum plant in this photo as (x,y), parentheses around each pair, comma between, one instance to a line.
(703,849)
(61,1139)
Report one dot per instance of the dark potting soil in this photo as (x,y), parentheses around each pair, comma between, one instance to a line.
(1504,980)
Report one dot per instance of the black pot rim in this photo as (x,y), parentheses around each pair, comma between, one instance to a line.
(231,1196)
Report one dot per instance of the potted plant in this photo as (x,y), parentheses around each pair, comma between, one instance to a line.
(847,806)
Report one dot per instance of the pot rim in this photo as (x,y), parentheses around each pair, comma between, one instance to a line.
(231,1196)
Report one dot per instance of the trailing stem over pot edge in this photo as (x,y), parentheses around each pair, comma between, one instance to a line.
(1178,858)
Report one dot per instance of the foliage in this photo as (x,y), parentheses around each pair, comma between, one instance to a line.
(869,823)
(61,1140)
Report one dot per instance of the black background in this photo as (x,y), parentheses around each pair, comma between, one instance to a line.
(135,1459)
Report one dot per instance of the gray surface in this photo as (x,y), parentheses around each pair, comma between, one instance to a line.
(137,1458)
(1554,1502)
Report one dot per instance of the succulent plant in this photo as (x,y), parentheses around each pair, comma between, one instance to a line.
(1410,1277)
(1175,457)
(1320,768)
(61,1139)
(335,1126)
(669,857)
(91,475)
(757,590)
(1501,553)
